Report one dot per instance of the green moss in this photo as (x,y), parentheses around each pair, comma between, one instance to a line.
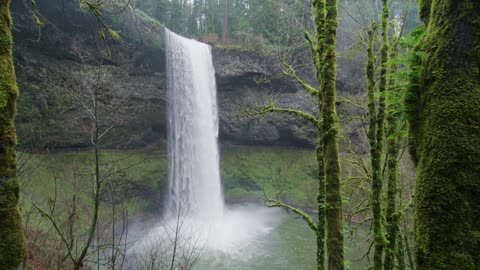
(288,172)
(152,29)
(239,194)
(424,9)
(12,248)
(136,25)
(329,133)
(245,171)
(446,133)
(376,137)
(12,241)
(233,47)
(393,249)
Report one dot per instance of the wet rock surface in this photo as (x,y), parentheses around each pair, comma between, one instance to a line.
(58,74)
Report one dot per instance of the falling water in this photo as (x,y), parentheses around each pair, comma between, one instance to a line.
(194,192)
(194,176)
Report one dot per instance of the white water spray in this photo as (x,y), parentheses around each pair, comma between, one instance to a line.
(194,192)
(194,175)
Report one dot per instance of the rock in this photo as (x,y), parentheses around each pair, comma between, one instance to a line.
(263,132)
(57,75)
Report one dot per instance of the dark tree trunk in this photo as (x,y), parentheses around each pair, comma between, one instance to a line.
(225,35)
(333,211)
(12,241)
(445,137)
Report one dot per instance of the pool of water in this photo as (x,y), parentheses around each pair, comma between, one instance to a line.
(290,245)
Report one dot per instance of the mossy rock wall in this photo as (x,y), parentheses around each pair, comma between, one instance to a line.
(61,61)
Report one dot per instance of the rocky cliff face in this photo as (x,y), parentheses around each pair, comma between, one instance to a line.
(59,71)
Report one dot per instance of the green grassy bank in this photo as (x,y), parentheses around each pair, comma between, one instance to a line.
(140,176)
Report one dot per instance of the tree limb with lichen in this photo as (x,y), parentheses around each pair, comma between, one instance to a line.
(290,71)
(271,108)
(272,203)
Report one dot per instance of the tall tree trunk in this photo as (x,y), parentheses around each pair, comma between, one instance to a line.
(391,214)
(400,252)
(225,21)
(377,151)
(393,151)
(445,137)
(333,211)
(319,14)
(12,241)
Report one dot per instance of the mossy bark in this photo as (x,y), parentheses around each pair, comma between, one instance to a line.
(393,151)
(446,133)
(400,252)
(321,209)
(375,159)
(329,228)
(377,148)
(12,241)
(334,216)
(375,138)
(319,14)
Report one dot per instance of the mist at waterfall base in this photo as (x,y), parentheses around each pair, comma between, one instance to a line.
(195,209)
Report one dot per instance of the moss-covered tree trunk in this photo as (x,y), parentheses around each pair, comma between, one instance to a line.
(372,134)
(445,137)
(376,148)
(329,199)
(375,158)
(319,14)
(334,216)
(391,214)
(12,241)
(393,151)
(400,252)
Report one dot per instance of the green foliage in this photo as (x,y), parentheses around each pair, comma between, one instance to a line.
(92,7)
(377,116)
(12,245)
(249,21)
(406,73)
(246,172)
(281,173)
(139,177)
(39,114)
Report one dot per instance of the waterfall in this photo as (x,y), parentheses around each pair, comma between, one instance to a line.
(194,175)
(195,204)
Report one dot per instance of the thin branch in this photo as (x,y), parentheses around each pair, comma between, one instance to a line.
(291,73)
(351,102)
(55,226)
(276,203)
(265,109)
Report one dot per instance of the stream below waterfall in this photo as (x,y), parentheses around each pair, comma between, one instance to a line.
(289,246)
(204,231)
